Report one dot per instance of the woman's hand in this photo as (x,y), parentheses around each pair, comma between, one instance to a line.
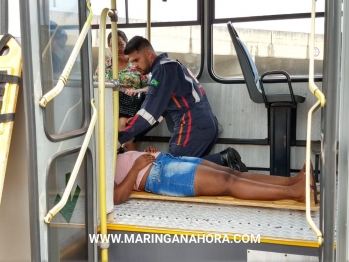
(151,149)
(131,92)
(144,160)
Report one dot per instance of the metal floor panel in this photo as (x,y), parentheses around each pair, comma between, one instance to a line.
(168,215)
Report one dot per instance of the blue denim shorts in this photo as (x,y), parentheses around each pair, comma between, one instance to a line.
(172,176)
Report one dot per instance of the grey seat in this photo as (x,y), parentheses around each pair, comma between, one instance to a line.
(282,108)
(254,83)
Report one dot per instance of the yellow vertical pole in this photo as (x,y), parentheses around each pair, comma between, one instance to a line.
(148,20)
(101,135)
(114,29)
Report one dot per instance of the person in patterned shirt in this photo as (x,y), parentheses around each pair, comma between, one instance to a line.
(129,78)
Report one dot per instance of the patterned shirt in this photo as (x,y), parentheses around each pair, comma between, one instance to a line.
(128,77)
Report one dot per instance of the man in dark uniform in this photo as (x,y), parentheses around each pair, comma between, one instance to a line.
(174,90)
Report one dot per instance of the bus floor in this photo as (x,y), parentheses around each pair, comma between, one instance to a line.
(278,226)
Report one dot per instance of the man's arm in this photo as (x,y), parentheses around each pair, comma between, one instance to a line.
(124,189)
(163,85)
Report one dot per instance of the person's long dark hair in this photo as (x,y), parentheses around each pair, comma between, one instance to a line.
(121,34)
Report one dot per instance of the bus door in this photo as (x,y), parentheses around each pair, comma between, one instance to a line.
(57,130)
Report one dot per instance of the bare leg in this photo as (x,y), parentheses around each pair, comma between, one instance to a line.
(213,182)
(267,179)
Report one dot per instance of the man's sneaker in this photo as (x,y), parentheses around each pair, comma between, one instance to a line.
(231,158)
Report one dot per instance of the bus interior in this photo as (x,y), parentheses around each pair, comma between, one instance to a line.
(63,139)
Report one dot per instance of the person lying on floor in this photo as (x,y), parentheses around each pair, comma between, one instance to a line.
(164,174)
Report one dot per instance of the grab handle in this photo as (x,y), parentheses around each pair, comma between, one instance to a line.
(68,67)
(321,102)
(76,168)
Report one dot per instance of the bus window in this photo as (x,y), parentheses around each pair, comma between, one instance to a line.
(277,37)
(98,5)
(74,213)
(250,8)
(272,49)
(58,34)
(161,11)
(180,42)
(175,30)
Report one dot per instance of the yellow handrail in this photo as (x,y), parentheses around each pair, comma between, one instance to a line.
(76,168)
(307,170)
(101,136)
(70,63)
(321,102)
(114,28)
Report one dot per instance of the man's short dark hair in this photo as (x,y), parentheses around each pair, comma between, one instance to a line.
(137,43)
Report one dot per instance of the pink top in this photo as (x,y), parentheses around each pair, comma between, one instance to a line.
(124,164)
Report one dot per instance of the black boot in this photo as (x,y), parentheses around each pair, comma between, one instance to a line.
(231,158)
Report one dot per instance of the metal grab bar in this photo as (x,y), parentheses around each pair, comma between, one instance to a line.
(76,168)
(149,20)
(101,136)
(114,37)
(312,86)
(68,67)
(116,126)
(321,102)
(307,171)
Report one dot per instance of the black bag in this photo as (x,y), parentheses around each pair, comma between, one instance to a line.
(129,105)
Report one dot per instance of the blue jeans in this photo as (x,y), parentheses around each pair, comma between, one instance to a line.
(172,176)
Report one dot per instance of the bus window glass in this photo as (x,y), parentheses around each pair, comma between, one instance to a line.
(273,45)
(180,42)
(247,8)
(161,11)
(98,5)
(59,32)
(67,227)
(14,24)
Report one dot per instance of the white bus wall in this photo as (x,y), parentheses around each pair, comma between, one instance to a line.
(243,119)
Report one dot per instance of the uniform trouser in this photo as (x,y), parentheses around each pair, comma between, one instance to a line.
(215,158)
(203,138)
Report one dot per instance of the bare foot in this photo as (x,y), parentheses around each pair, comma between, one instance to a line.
(299,189)
(299,176)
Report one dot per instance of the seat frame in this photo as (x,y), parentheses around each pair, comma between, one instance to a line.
(282,108)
